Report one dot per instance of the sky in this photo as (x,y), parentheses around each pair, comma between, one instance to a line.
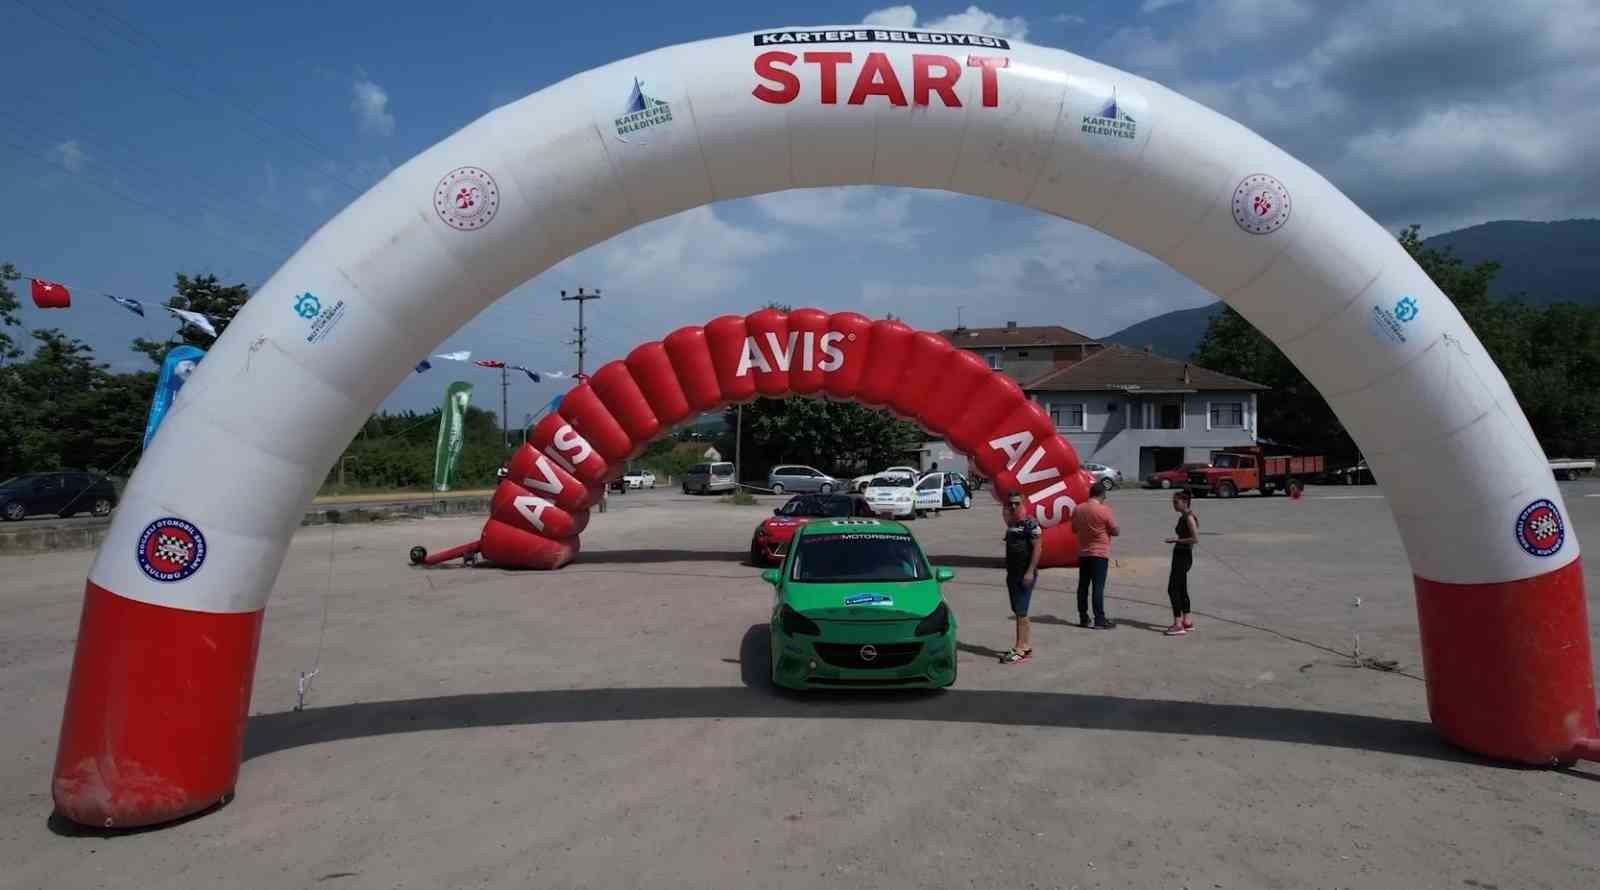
(140,140)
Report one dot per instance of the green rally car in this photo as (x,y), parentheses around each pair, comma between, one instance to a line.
(857,605)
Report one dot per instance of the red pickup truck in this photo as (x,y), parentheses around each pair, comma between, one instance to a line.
(1238,470)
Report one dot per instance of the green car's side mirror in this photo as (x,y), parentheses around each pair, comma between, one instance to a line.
(944,573)
(772,576)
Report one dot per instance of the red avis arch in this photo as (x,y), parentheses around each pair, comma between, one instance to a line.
(553,480)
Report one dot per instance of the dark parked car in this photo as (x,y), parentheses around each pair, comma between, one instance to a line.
(63,493)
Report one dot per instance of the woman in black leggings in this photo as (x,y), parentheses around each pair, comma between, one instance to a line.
(1188,533)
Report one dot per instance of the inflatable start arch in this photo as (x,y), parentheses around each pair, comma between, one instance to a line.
(161,680)
(543,503)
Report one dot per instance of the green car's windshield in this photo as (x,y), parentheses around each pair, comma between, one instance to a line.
(855,557)
(837,505)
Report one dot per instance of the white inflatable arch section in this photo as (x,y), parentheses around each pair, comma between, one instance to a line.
(161,679)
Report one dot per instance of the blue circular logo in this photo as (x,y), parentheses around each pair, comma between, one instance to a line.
(171,549)
(307,306)
(1406,309)
(1540,529)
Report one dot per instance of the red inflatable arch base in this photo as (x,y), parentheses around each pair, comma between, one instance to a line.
(543,504)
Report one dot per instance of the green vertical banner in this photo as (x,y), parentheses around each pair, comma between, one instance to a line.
(451,434)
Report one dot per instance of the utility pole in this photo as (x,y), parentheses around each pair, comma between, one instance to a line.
(505,417)
(958,317)
(738,443)
(581,298)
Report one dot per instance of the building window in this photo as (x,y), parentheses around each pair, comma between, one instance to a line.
(1022,354)
(1227,415)
(994,360)
(1067,417)
(1171,417)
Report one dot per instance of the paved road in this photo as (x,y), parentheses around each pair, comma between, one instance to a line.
(609,725)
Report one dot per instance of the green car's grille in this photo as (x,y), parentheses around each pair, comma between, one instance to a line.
(885,655)
(857,681)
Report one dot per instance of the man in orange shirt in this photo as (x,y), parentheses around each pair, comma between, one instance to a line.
(1094,525)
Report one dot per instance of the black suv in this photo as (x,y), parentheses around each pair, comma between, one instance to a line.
(64,494)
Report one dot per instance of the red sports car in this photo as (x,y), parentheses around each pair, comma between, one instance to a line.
(772,537)
(1173,478)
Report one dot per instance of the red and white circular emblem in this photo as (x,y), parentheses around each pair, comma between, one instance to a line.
(171,549)
(1540,529)
(466,199)
(1260,204)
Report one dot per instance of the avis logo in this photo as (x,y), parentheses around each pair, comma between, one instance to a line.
(1028,460)
(781,357)
(307,306)
(931,74)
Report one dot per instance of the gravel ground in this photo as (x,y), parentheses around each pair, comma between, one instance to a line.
(609,725)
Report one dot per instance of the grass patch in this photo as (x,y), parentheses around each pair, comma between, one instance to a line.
(741,498)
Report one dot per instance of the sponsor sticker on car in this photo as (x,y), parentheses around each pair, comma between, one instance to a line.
(869,599)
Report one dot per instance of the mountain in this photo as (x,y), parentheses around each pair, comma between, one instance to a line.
(1540,263)
(1174,334)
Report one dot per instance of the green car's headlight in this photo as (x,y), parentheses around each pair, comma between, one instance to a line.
(794,623)
(937,622)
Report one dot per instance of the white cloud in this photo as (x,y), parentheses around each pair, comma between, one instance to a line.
(1150,6)
(1062,18)
(71,156)
(371,105)
(892,17)
(855,213)
(973,20)
(1064,273)
(1141,51)
(1400,105)
(707,255)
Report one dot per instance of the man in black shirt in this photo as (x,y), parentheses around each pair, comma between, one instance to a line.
(1022,571)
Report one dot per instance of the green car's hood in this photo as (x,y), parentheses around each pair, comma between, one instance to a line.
(863,601)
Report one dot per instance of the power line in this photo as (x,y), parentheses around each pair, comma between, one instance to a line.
(132,199)
(275,130)
(217,203)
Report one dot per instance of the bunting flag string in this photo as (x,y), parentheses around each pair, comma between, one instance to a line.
(132,305)
(48,294)
(200,321)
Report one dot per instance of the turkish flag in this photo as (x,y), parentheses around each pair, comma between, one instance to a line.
(49,295)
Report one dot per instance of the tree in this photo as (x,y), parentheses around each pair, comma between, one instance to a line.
(60,409)
(835,437)
(397,451)
(1549,354)
(8,314)
(203,294)
(1292,411)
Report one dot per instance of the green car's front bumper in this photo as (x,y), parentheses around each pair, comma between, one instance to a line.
(864,655)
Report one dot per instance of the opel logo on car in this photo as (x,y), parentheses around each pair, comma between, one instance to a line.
(869,652)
